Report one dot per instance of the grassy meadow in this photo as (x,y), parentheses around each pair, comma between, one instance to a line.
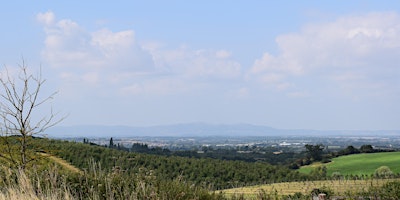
(359,164)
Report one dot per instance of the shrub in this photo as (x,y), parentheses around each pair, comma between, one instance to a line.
(337,176)
(383,172)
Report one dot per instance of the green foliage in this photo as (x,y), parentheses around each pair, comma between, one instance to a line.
(390,190)
(253,154)
(96,183)
(113,174)
(206,172)
(319,172)
(348,151)
(323,190)
(351,164)
(383,172)
(367,148)
(336,176)
(298,196)
(315,151)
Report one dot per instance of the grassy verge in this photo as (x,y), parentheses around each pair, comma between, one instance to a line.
(95,183)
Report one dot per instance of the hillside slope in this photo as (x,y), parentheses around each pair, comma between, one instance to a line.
(359,164)
(214,173)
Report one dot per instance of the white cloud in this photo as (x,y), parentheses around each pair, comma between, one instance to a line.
(70,46)
(160,86)
(240,93)
(199,63)
(46,18)
(91,78)
(357,52)
(118,62)
(111,44)
(222,54)
(298,94)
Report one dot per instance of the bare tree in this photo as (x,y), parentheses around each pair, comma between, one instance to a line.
(20,103)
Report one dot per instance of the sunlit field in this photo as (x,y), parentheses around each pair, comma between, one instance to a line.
(359,164)
(338,187)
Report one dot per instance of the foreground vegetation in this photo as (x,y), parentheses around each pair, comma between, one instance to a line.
(95,184)
(348,189)
(95,172)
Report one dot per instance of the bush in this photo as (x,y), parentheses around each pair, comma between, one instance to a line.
(337,176)
(324,190)
(390,190)
(383,172)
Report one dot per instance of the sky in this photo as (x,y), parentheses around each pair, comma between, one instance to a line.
(324,65)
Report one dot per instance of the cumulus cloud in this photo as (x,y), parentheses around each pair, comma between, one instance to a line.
(354,52)
(46,18)
(69,45)
(104,57)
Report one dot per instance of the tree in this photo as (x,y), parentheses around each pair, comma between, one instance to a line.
(20,114)
(315,151)
(366,148)
(111,144)
(349,150)
(319,172)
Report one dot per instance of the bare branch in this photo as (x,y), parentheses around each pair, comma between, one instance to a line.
(19,99)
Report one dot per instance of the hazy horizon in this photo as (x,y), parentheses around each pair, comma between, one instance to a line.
(211,124)
(284,64)
(206,130)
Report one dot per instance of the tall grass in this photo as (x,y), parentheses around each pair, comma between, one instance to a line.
(96,184)
(16,184)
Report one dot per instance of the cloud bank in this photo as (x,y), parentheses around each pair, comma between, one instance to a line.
(353,56)
(118,59)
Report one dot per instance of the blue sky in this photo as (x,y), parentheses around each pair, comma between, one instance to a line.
(286,64)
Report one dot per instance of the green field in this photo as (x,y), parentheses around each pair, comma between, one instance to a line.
(359,164)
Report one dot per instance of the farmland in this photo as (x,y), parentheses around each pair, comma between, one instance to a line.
(356,171)
(337,187)
(359,164)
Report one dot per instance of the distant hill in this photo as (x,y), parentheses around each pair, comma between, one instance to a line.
(201,130)
(177,130)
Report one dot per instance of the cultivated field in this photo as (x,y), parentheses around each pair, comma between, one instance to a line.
(339,187)
(360,164)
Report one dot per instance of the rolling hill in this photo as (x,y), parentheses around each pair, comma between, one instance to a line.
(359,164)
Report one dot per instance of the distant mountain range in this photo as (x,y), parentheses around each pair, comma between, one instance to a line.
(202,130)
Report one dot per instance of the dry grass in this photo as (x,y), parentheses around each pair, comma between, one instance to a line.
(339,187)
(63,163)
(23,189)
